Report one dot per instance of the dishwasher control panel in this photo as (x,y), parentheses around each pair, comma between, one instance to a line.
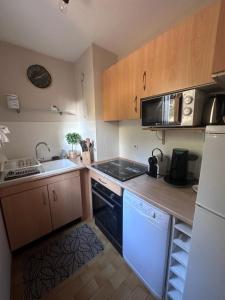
(147,209)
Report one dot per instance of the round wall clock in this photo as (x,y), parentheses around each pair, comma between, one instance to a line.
(39,76)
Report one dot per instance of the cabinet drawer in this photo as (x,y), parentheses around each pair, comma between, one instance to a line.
(106,182)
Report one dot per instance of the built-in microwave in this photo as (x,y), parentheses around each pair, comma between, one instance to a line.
(178,109)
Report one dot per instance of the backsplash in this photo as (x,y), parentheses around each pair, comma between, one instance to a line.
(137,144)
(25,135)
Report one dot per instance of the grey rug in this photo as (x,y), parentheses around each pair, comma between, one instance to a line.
(57,261)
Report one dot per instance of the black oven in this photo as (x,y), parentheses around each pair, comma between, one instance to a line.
(108,212)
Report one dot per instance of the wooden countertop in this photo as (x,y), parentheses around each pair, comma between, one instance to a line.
(178,202)
(42,175)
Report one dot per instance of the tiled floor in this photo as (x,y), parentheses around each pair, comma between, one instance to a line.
(105,277)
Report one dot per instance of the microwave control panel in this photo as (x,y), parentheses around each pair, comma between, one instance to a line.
(193,102)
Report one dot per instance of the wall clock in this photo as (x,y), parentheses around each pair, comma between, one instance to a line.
(39,76)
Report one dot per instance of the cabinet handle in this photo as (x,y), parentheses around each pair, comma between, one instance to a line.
(135,104)
(102,181)
(44,199)
(144,80)
(54,196)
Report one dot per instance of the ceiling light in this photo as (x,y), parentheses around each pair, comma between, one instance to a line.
(63,4)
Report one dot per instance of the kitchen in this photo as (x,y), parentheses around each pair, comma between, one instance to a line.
(102,148)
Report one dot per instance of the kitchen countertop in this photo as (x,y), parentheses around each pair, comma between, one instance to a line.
(178,202)
(42,175)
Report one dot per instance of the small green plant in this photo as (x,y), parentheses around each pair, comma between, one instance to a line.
(73,138)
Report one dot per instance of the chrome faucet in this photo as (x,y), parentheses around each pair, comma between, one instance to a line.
(36,149)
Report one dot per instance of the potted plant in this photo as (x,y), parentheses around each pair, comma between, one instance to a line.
(73,139)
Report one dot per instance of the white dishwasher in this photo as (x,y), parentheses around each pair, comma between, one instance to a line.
(146,232)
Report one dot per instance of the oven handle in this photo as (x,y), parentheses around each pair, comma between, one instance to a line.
(103,199)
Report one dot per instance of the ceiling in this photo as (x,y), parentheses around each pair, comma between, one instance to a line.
(120,26)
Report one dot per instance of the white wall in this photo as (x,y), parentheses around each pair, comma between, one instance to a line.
(34,101)
(25,135)
(137,144)
(5,263)
(107,133)
(35,123)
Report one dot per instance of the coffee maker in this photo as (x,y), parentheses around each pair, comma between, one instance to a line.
(178,174)
(157,164)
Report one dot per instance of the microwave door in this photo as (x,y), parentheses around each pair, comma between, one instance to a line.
(173,109)
(165,110)
(177,109)
(152,112)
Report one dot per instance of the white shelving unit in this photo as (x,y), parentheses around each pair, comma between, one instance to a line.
(178,259)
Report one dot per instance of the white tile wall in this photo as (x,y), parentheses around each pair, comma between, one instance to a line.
(137,144)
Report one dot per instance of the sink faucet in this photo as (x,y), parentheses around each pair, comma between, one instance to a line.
(36,149)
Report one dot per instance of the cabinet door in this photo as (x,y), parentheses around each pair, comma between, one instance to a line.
(65,201)
(110,85)
(128,103)
(183,55)
(133,79)
(27,216)
(219,54)
(145,69)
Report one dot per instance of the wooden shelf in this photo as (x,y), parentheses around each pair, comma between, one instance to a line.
(185,245)
(181,257)
(165,129)
(179,270)
(174,128)
(178,261)
(177,283)
(184,228)
(175,295)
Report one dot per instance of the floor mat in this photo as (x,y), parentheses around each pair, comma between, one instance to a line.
(54,263)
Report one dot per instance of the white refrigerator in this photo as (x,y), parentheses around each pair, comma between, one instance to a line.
(206,268)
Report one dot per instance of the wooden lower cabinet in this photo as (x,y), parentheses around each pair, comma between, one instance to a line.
(31,211)
(27,216)
(65,201)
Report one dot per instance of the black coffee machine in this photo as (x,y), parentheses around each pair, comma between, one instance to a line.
(178,175)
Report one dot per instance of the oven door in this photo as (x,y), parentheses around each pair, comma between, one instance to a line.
(108,217)
(172,109)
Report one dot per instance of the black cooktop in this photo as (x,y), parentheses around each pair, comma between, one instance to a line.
(121,169)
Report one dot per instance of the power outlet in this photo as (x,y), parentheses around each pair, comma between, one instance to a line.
(136,147)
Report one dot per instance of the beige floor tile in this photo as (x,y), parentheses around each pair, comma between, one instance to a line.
(122,293)
(104,292)
(87,290)
(107,276)
(138,293)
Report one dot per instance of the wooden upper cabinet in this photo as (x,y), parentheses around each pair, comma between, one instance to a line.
(134,78)
(27,216)
(110,93)
(183,55)
(65,201)
(180,58)
(128,98)
(219,54)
